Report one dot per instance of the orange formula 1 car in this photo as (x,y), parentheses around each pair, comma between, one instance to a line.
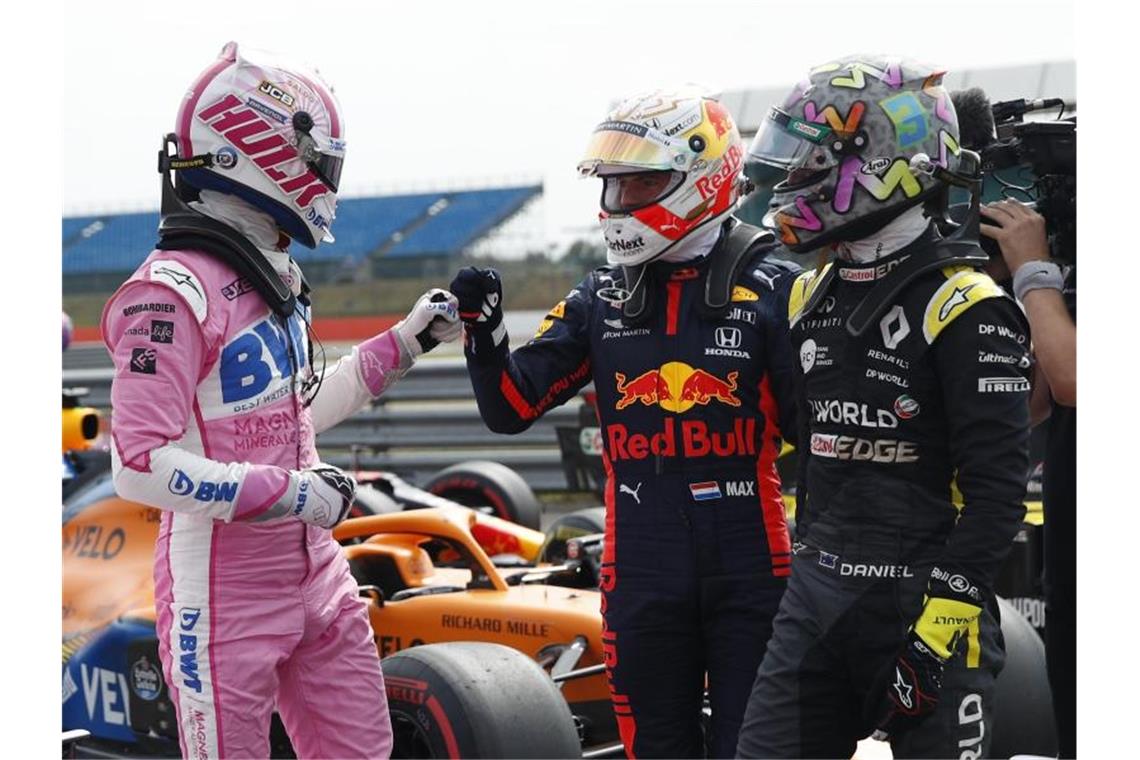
(528,681)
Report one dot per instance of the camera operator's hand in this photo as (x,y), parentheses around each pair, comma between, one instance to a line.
(1018,230)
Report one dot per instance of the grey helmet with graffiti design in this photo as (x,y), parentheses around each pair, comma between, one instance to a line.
(842,145)
(269,131)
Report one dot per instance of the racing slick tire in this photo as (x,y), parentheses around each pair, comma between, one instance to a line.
(581,522)
(475,699)
(488,484)
(1022,701)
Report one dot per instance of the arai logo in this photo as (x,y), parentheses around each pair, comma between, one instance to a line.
(875,165)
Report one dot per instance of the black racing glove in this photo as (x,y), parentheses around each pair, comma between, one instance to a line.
(480,295)
(908,691)
(953,606)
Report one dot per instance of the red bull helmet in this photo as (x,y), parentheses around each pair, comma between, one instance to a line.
(842,142)
(269,132)
(670,163)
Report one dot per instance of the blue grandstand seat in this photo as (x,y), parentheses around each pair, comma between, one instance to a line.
(119,242)
(119,245)
(467,216)
(364,224)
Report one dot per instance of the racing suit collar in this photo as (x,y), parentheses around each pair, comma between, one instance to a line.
(870,271)
(699,244)
(898,233)
(258,227)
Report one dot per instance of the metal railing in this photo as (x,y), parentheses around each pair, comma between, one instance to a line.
(425,422)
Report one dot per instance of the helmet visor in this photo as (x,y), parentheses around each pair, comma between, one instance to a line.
(625,143)
(326,164)
(623,193)
(785,142)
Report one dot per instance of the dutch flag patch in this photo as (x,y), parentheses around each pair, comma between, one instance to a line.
(704,491)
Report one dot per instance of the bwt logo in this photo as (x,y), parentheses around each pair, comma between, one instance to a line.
(243,370)
(181,484)
(244,128)
(188,646)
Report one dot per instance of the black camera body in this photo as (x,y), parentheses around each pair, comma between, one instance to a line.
(1050,149)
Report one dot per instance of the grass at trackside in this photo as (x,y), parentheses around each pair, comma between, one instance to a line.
(526,286)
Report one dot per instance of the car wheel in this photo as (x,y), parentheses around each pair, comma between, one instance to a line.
(1023,703)
(581,522)
(482,484)
(474,700)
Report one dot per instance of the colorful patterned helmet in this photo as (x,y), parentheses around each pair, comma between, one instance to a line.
(274,135)
(670,163)
(845,138)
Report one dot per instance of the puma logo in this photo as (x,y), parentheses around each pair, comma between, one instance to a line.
(631,491)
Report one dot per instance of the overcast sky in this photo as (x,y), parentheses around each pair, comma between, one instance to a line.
(438,92)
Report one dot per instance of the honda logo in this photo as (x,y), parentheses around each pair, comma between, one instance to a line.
(728,337)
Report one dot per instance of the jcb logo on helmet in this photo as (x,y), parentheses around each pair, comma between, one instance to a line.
(277,93)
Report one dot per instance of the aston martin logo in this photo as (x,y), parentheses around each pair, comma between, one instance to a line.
(957,298)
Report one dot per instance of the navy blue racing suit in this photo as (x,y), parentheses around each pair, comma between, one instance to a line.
(697,551)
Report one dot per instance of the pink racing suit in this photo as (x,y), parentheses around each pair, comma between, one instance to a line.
(208,421)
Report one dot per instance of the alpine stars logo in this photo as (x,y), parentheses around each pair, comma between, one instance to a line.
(178,278)
(903,689)
(956,299)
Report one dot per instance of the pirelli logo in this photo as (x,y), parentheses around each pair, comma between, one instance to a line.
(1002,384)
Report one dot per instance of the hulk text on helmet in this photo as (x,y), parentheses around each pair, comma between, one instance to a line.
(846,137)
(269,132)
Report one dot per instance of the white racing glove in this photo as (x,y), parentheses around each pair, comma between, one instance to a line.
(433,320)
(319,495)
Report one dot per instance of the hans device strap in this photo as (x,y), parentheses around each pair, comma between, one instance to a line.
(183,228)
(737,243)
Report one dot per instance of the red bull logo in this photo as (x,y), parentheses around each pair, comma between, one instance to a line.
(718,117)
(676,387)
(726,174)
(694,439)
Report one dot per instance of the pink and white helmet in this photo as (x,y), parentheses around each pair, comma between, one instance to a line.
(670,163)
(273,135)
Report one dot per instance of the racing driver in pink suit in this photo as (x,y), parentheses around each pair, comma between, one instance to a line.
(216,403)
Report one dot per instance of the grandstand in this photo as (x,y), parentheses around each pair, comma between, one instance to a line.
(387,235)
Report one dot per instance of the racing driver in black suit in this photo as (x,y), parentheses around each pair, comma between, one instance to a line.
(914,372)
(685,339)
